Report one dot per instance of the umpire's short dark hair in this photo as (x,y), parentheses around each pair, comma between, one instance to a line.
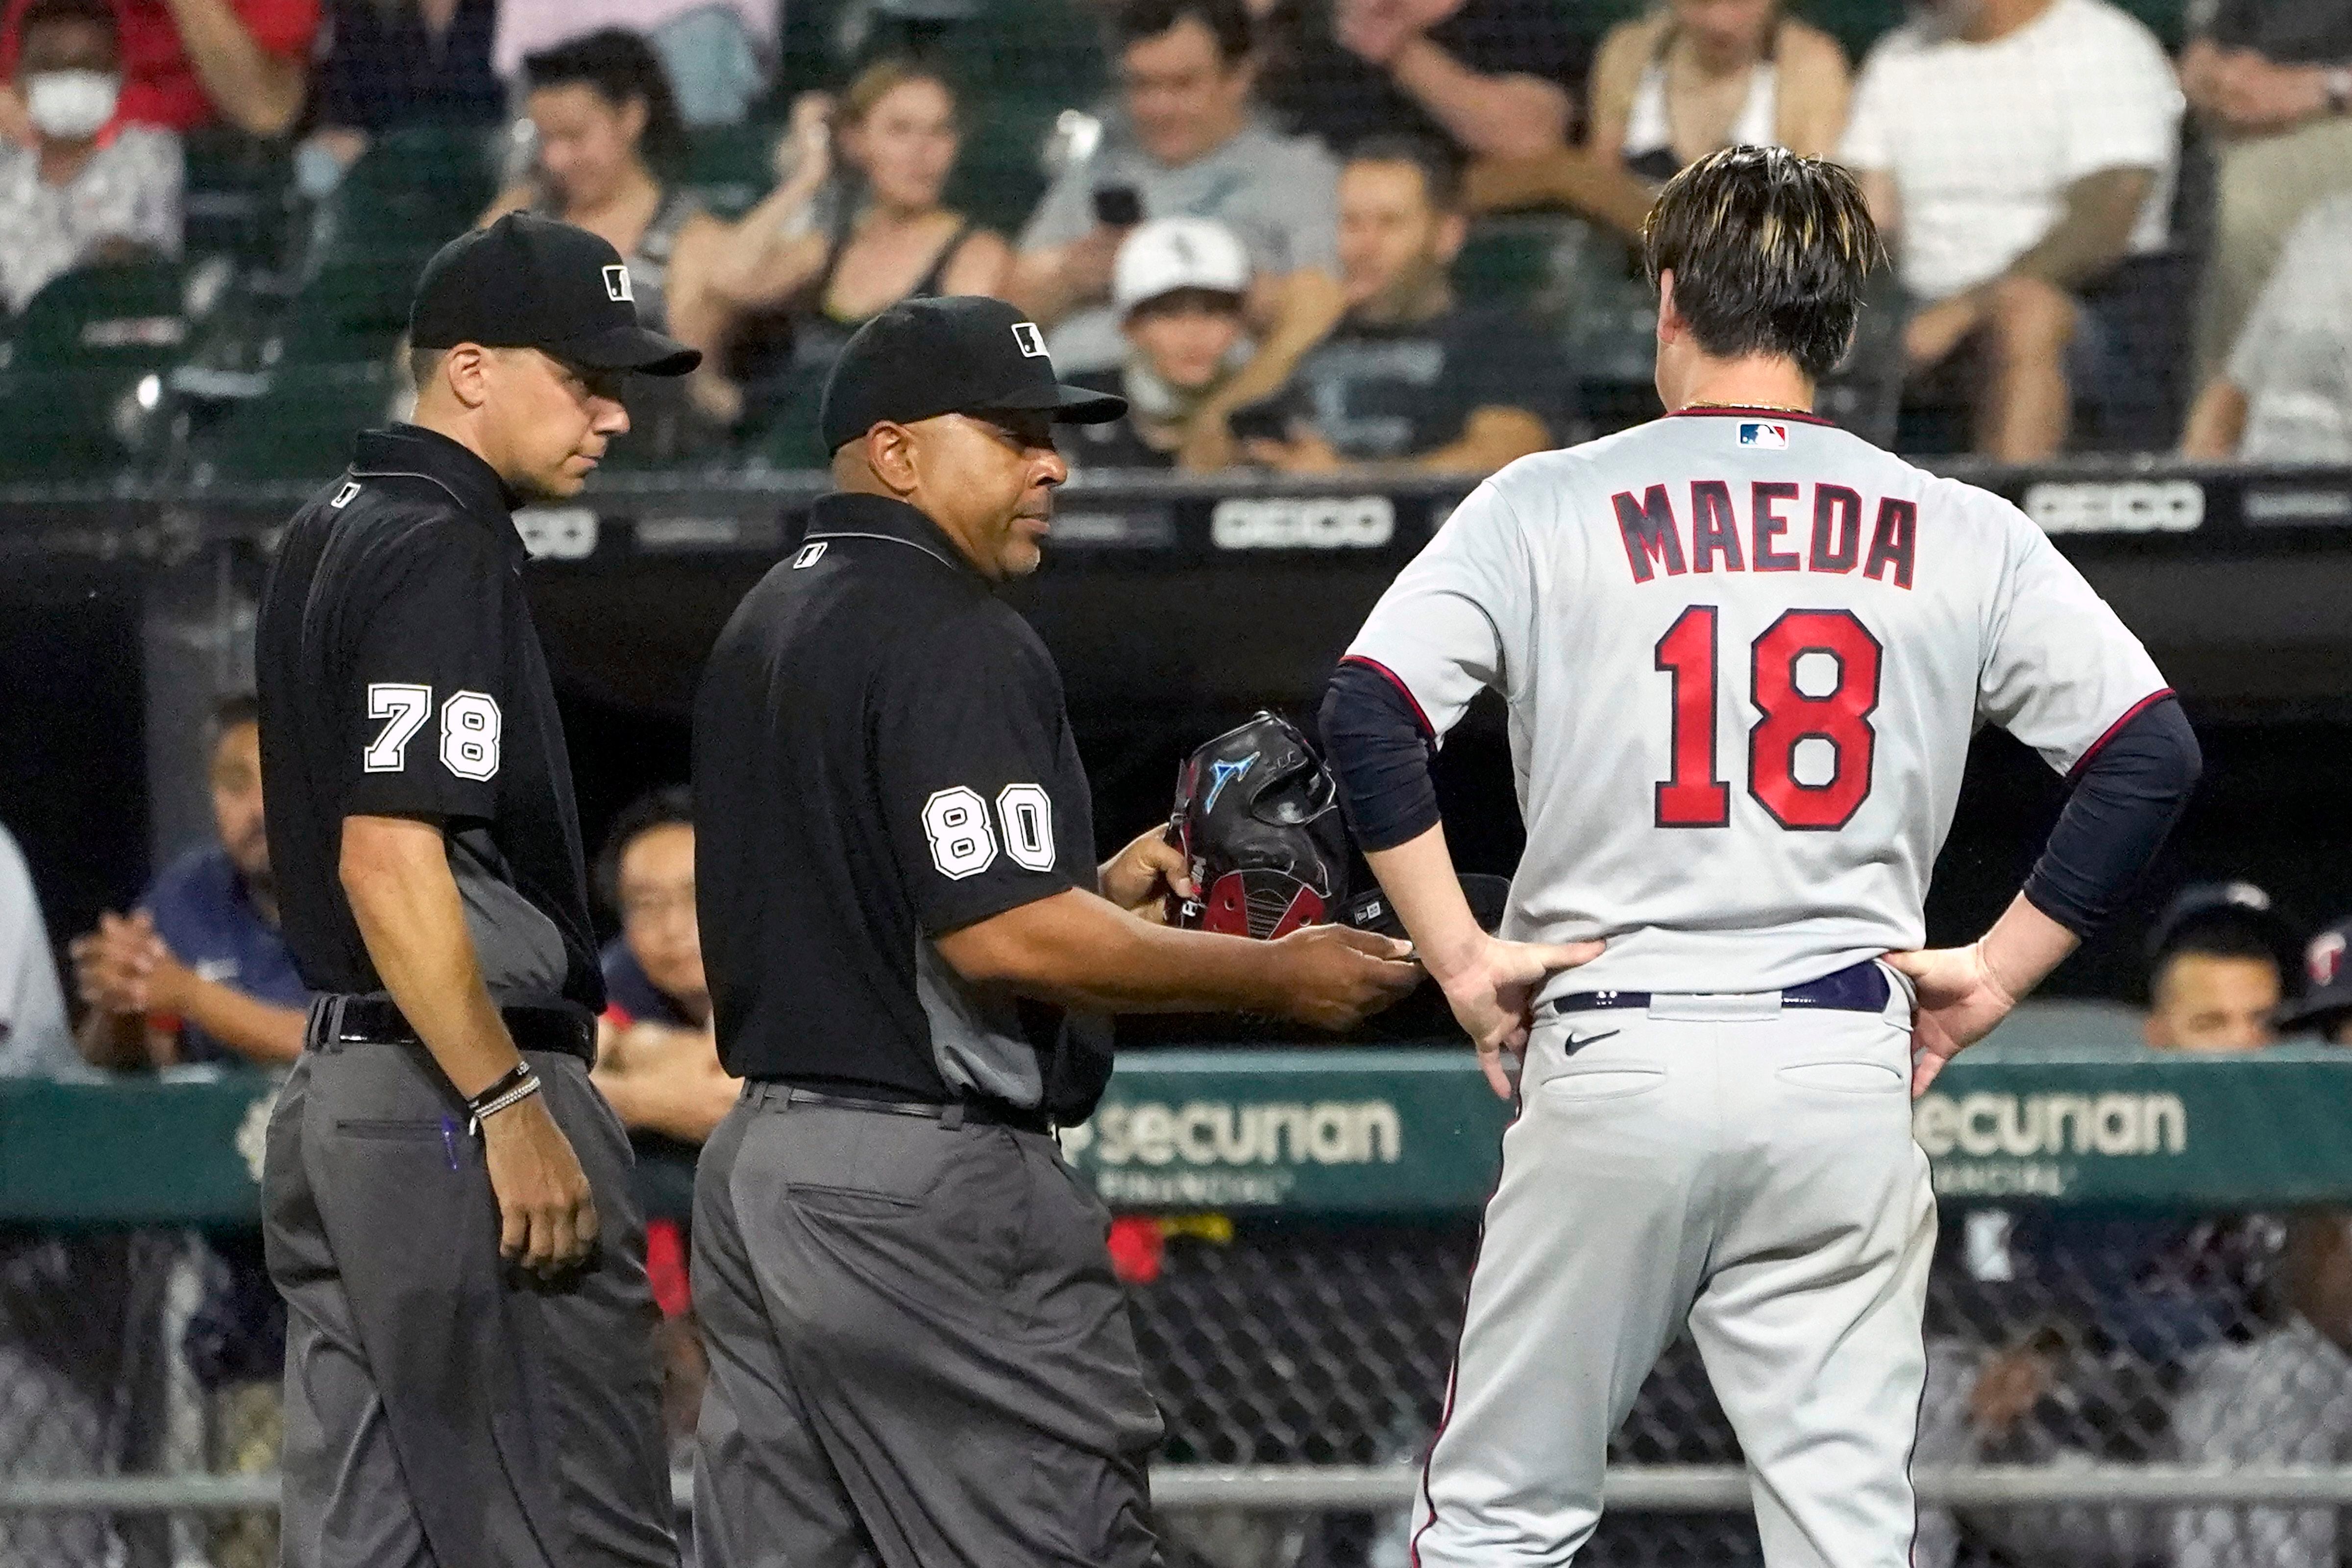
(1441,169)
(1770,253)
(673,806)
(1228,20)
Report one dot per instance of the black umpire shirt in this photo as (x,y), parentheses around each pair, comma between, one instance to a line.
(400,675)
(880,757)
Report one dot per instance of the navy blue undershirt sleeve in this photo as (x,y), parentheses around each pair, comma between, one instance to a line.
(2127,795)
(1379,750)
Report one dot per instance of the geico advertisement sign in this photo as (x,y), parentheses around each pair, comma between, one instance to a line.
(1219,1133)
(2131,506)
(1309,522)
(1983,1126)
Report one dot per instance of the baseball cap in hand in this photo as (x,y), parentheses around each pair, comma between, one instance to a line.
(529,282)
(958,353)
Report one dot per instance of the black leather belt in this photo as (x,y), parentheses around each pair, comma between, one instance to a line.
(375,1021)
(954,1114)
(1858,988)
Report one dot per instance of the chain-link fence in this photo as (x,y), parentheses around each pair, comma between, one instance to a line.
(2076,1354)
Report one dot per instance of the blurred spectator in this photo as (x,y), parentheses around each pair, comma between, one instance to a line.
(715,51)
(2285,395)
(245,64)
(2015,152)
(610,142)
(391,64)
(657,1060)
(1413,377)
(198,972)
(85,190)
(2284,1398)
(2120,1313)
(2215,977)
(34,1040)
(1672,86)
(2326,1006)
(2272,80)
(1489,78)
(1179,286)
(839,241)
(65,1335)
(1189,143)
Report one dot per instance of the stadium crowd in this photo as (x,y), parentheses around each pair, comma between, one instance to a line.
(1276,224)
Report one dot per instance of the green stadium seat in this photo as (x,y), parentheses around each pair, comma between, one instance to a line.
(353,309)
(999,177)
(411,191)
(299,429)
(729,166)
(1523,261)
(130,316)
(81,394)
(239,198)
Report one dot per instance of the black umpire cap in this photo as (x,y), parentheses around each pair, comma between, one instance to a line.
(964,354)
(531,282)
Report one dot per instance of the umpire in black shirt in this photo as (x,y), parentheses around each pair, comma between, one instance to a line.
(920,1355)
(469,1377)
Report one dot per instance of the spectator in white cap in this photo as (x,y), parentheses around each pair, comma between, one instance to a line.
(1179,286)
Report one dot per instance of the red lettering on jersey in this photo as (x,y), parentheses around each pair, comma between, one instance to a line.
(1714,530)
(1894,542)
(1837,529)
(1768,525)
(1650,532)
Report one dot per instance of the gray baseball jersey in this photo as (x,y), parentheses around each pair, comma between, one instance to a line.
(1744,653)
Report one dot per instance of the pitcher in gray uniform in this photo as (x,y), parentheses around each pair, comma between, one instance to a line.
(1743,653)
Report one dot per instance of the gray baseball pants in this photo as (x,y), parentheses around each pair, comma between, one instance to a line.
(919,1356)
(444,1408)
(1717,1161)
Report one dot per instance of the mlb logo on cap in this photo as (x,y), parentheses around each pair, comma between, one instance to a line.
(1032,341)
(1754,434)
(616,284)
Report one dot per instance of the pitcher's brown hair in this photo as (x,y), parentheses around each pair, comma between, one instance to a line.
(1770,253)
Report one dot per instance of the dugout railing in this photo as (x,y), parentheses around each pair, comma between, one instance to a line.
(1298,1228)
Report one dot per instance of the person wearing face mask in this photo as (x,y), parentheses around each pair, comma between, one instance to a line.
(85,190)
(1180,286)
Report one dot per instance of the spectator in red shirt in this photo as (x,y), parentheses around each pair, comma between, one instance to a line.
(191,63)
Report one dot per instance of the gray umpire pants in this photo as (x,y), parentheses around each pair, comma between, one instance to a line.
(919,1356)
(445,1409)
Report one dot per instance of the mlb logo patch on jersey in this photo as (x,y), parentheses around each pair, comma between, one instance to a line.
(1758,434)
